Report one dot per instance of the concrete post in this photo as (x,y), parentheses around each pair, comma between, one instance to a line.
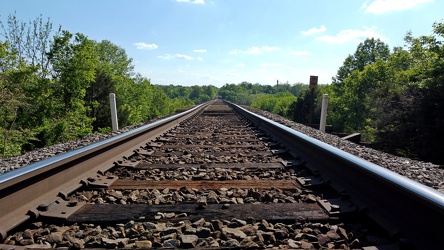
(324,112)
(112,103)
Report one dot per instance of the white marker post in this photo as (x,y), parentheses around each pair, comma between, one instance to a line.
(112,103)
(324,112)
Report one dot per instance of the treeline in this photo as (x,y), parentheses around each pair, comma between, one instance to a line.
(190,94)
(395,98)
(275,99)
(55,86)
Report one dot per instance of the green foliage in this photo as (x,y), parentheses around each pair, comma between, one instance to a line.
(246,93)
(54,86)
(275,103)
(51,131)
(299,110)
(395,100)
(183,96)
(242,93)
(12,97)
(113,67)
(138,101)
(73,64)
(366,53)
(360,74)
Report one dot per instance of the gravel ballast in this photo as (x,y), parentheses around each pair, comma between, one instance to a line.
(429,174)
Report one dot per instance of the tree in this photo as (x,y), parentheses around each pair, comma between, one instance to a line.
(366,53)
(395,101)
(427,79)
(299,110)
(30,41)
(244,93)
(276,103)
(351,85)
(113,67)
(63,111)
(74,65)
(55,86)
(12,96)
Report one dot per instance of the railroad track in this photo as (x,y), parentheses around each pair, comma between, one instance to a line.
(214,176)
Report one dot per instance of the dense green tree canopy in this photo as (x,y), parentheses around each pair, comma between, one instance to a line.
(54,86)
(246,93)
(366,53)
(396,99)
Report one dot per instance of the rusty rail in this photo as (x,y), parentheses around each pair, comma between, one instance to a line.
(45,182)
(406,209)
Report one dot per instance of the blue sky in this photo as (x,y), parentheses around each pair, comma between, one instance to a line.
(202,42)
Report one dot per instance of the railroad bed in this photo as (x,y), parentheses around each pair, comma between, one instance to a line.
(214,179)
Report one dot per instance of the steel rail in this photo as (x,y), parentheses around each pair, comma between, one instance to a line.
(24,189)
(410,212)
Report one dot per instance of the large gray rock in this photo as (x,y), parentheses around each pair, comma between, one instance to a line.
(188,241)
(234,233)
(171,243)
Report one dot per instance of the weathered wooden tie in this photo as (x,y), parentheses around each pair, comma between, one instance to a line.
(277,212)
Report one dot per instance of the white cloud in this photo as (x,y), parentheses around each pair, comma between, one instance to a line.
(185,57)
(200,50)
(352,35)
(383,6)
(314,30)
(255,50)
(240,65)
(146,46)
(301,53)
(235,52)
(191,1)
(199,58)
(176,56)
(166,57)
